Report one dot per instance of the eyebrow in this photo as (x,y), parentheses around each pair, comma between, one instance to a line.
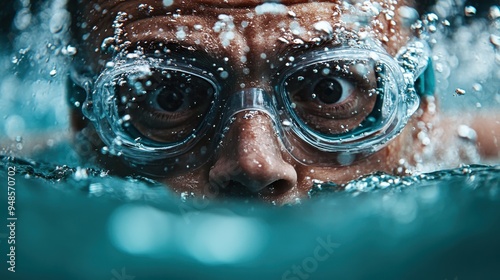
(113,4)
(297,50)
(177,50)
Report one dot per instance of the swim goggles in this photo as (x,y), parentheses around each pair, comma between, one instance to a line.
(329,107)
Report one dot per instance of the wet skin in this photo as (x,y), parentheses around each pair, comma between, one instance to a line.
(250,160)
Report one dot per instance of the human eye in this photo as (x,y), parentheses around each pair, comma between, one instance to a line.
(163,105)
(333,97)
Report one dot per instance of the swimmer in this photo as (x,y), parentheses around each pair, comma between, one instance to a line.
(250,98)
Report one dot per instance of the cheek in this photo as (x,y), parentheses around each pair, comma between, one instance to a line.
(385,160)
(194,182)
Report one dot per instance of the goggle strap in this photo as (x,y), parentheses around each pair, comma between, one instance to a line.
(250,99)
(425,85)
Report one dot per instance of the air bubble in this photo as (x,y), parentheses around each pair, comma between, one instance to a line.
(180,34)
(494,13)
(271,8)
(286,123)
(168,3)
(58,21)
(470,11)
(466,132)
(477,87)
(69,50)
(324,26)
(408,15)
(495,40)
(460,91)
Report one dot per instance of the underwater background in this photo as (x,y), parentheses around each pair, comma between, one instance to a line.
(74,221)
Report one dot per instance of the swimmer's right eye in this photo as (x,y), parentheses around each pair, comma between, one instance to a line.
(164,105)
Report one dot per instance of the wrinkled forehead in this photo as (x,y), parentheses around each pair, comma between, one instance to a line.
(233,28)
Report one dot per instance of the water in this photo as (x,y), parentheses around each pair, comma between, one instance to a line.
(445,224)
(77,222)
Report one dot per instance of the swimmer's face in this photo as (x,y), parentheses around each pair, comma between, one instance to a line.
(246,40)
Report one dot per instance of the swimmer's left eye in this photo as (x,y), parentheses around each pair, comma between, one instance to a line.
(332,98)
(164,106)
(331,90)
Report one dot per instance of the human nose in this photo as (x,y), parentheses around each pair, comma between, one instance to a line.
(250,158)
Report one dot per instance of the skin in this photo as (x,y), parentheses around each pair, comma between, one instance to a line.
(251,161)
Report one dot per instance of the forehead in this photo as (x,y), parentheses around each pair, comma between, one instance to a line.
(234,28)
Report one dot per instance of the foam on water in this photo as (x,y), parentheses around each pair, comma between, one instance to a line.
(109,223)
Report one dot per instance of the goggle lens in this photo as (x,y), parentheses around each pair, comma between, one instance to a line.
(333,97)
(161,106)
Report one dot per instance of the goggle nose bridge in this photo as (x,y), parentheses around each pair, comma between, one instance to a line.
(254,99)
(249,99)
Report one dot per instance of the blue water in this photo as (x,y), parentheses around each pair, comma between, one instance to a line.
(75,221)
(443,225)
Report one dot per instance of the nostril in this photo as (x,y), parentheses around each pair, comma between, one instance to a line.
(277,188)
(237,189)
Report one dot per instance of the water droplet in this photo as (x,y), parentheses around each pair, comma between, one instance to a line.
(22,19)
(53,72)
(298,42)
(69,50)
(323,26)
(477,87)
(460,91)
(283,40)
(224,74)
(495,40)
(168,3)
(58,21)
(80,174)
(287,123)
(494,12)
(180,34)
(470,11)
(445,23)
(466,132)
(408,15)
(271,8)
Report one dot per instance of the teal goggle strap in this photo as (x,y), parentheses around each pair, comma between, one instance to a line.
(425,85)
